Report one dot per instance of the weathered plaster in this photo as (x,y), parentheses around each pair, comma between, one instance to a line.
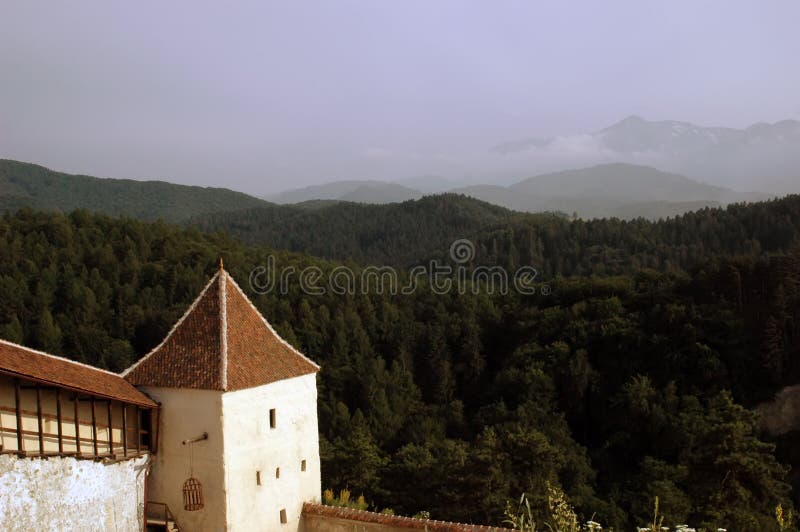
(251,445)
(69,494)
(187,414)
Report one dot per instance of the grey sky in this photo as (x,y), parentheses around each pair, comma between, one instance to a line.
(263,95)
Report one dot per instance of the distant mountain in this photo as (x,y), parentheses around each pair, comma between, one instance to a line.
(29,185)
(429,184)
(356,191)
(762,156)
(381,193)
(611,190)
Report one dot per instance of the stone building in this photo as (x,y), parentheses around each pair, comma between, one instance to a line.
(224,378)
(215,429)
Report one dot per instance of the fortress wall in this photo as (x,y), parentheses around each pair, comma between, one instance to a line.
(321,518)
(68,494)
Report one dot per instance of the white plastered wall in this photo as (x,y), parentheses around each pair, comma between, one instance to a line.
(251,445)
(38,494)
(187,414)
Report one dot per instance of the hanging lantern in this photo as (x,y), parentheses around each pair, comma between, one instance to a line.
(192,495)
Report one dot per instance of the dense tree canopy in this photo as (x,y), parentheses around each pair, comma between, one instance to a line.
(409,233)
(615,388)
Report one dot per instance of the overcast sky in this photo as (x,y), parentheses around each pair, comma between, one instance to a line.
(265,95)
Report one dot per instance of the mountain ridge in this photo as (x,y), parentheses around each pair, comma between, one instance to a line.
(763,153)
(607,190)
(30,185)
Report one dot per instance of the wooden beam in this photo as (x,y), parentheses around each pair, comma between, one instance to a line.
(124,430)
(17,400)
(39,419)
(35,433)
(77,428)
(94,427)
(59,420)
(138,429)
(155,422)
(110,431)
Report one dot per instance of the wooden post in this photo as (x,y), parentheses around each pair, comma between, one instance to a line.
(138,430)
(17,401)
(94,427)
(59,421)
(124,430)
(110,431)
(77,428)
(39,418)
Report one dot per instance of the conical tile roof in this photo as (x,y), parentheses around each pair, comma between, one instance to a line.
(221,343)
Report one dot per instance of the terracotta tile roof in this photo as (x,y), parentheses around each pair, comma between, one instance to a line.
(26,363)
(394,521)
(221,343)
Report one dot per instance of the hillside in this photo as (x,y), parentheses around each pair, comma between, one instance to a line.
(356,191)
(412,232)
(397,234)
(30,185)
(618,190)
(616,389)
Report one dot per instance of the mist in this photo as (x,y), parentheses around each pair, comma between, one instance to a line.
(264,96)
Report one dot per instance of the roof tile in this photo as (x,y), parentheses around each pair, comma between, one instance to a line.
(27,363)
(394,521)
(221,343)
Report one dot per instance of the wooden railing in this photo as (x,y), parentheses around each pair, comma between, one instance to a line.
(159,514)
(125,433)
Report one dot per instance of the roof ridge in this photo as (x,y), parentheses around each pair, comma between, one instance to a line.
(36,351)
(174,327)
(223,329)
(269,326)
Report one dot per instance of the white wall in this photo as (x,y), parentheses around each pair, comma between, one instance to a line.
(186,414)
(251,445)
(69,494)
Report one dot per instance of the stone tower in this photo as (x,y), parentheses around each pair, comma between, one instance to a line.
(224,371)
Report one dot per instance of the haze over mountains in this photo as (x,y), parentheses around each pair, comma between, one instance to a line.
(764,157)
(609,190)
(633,168)
(612,190)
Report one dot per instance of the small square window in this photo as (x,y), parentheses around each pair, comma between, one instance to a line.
(302,465)
(283,516)
(258,478)
(277,472)
(272,421)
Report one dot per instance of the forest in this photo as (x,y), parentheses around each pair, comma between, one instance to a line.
(635,377)
(408,233)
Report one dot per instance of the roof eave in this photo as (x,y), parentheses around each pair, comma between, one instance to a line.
(145,401)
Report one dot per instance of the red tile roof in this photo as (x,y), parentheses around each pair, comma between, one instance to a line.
(20,361)
(394,521)
(221,343)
